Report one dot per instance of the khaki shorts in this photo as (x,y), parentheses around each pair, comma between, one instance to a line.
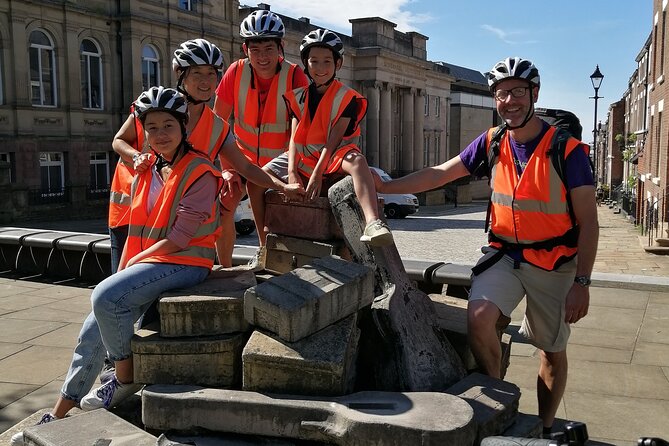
(546,291)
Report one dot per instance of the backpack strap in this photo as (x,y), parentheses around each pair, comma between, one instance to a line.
(493,154)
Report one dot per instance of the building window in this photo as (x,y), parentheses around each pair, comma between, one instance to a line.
(426,150)
(2,89)
(395,162)
(42,69)
(658,147)
(99,171)
(664,25)
(150,69)
(427,105)
(7,158)
(437,149)
(188,5)
(437,106)
(52,173)
(91,75)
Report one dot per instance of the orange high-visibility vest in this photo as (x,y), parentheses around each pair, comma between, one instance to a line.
(207,138)
(531,209)
(261,144)
(119,191)
(312,134)
(147,228)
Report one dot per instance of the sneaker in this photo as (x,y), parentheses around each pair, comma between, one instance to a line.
(257,262)
(377,233)
(17,438)
(107,372)
(108,395)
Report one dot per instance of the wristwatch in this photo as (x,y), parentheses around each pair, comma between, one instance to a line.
(135,157)
(584,281)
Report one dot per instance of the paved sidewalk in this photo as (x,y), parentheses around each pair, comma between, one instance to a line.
(619,354)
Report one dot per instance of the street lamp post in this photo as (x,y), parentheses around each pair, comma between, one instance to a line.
(596,78)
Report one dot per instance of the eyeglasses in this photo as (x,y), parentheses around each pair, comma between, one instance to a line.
(518,92)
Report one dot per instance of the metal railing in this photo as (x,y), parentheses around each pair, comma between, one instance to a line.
(48,196)
(625,200)
(653,224)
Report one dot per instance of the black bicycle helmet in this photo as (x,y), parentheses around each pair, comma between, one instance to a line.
(262,24)
(513,68)
(323,38)
(197,52)
(161,99)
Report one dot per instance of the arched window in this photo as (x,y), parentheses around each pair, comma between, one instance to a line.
(150,69)
(42,69)
(91,75)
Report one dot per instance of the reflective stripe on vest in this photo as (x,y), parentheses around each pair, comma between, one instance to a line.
(147,229)
(209,134)
(119,190)
(312,135)
(532,208)
(262,139)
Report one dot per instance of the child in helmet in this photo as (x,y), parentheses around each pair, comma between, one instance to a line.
(251,92)
(325,118)
(180,187)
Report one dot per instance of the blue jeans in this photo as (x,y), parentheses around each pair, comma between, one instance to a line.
(117,238)
(118,301)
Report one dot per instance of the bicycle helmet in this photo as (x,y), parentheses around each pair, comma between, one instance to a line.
(513,68)
(324,38)
(161,99)
(262,24)
(197,52)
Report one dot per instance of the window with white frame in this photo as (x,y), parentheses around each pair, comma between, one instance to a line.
(427,104)
(99,171)
(188,5)
(52,173)
(150,68)
(426,150)
(42,69)
(91,74)
(437,105)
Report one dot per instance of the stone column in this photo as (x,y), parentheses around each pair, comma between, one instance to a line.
(385,129)
(419,132)
(408,148)
(372,137)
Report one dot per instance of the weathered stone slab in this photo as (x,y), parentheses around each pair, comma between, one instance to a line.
(287,253)
(495,402)
(525,426)
(365,418)
(311,220)
(320,364)
(98,427)
(207,361)
(216,306)
(403,348)
(305,300)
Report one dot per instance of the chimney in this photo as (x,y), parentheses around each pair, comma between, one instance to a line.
(263,6)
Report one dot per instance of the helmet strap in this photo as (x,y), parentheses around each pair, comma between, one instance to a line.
(529,115)
(183,91)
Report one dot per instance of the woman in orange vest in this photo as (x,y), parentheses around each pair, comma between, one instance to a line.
(173,225)
(325,131)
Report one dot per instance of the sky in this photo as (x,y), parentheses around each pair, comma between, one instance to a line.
(565,39)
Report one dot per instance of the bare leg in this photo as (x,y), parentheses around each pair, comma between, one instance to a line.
(124,371)
(226,241)
(355,165)
(482,317)
(257,198)
(551,383)
(62,407)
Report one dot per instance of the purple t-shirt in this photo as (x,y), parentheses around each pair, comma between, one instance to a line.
(578,168)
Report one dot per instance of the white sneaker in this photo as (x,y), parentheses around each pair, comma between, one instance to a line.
(108,395)
(377,233)
(18,440)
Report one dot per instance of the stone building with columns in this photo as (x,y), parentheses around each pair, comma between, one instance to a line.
(70,69)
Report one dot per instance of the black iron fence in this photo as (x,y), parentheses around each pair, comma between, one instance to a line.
(48,196)
(626,200)
(653,224)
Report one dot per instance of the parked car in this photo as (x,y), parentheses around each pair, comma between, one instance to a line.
(396,205)
(244,223)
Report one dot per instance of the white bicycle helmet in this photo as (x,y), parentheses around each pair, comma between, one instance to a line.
(161,99)
(197,52)
(324,38)
(513,68)
(262,24)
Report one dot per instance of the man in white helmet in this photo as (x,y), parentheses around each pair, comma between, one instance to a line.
(543,229)
(250,94)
